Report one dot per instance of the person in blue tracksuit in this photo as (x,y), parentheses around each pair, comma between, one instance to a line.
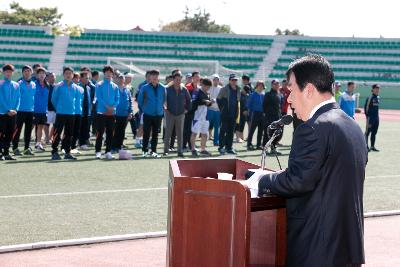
(40,106)
(371,110)
(347,100)
(78,114)
(139,115)
(256,115)
(64,98)
(123,114)
(25,112)
(107,95)
(151,102)
(9,102)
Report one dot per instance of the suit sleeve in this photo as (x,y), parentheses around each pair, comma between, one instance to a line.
(303,173)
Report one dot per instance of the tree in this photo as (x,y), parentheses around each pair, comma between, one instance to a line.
(196,22)
(288,32)
(18,15)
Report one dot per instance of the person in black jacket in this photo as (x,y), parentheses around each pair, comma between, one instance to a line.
(371,110)
(228,101)
(324,180)
(272,111)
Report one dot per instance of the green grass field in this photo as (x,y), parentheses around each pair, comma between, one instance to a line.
(123,197)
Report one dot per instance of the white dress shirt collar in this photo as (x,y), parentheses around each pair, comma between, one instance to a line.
(332,100)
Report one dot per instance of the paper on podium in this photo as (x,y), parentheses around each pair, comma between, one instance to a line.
(252,182)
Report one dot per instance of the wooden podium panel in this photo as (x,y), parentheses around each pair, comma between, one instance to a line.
(215,222)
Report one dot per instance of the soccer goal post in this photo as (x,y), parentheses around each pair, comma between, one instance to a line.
(139,66)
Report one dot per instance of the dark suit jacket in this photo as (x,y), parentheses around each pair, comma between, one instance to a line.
(323,185)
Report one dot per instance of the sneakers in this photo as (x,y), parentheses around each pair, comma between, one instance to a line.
(1,157)
(39,147)
(69,156)
(28,152)
(231,151)
(374,149)
(205,153)
(84,147)
(75,151)
(155,155)
(221,151)
(109,156)
(194,153)
(55,156)
(145,155)
(180,154)
(165,154)
(9,157)
(172,150)
(98,155)
(17,152)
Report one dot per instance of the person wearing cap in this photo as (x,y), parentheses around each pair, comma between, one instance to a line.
(347,100)
(371,110)
(229,104)
(213,113)
(256,115)
(188,78)
(246,81)
(9,102)
(177,104)
(123,114)
(25,112)
(338,93)
(151,102)
(107,95)
(64,98)
(40,106)
(272,111)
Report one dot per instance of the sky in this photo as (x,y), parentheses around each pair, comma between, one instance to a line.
(335,18)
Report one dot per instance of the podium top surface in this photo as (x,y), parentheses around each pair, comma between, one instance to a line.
(208,168)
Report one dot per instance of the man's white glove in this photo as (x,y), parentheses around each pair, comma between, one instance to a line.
(252,182)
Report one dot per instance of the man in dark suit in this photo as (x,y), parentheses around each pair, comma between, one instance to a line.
(324,180)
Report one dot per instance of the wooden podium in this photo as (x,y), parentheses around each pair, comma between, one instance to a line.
(215,222)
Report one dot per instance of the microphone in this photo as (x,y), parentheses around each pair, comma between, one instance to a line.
(285,120)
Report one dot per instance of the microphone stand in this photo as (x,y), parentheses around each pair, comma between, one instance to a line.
(276,133)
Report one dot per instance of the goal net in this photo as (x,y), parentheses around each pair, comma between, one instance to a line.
(139,66)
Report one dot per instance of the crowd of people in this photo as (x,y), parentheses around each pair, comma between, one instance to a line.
(184,108)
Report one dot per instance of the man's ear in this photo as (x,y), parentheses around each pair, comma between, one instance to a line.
(310,90)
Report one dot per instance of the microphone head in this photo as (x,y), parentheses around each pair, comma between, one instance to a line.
(286,120)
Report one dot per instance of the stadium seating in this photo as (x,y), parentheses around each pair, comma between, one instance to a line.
(20,45)
(359,59)
(366,60)
(244,53)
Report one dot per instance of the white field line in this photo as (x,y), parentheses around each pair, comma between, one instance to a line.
(85,192)
(80,241)
(130,190)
